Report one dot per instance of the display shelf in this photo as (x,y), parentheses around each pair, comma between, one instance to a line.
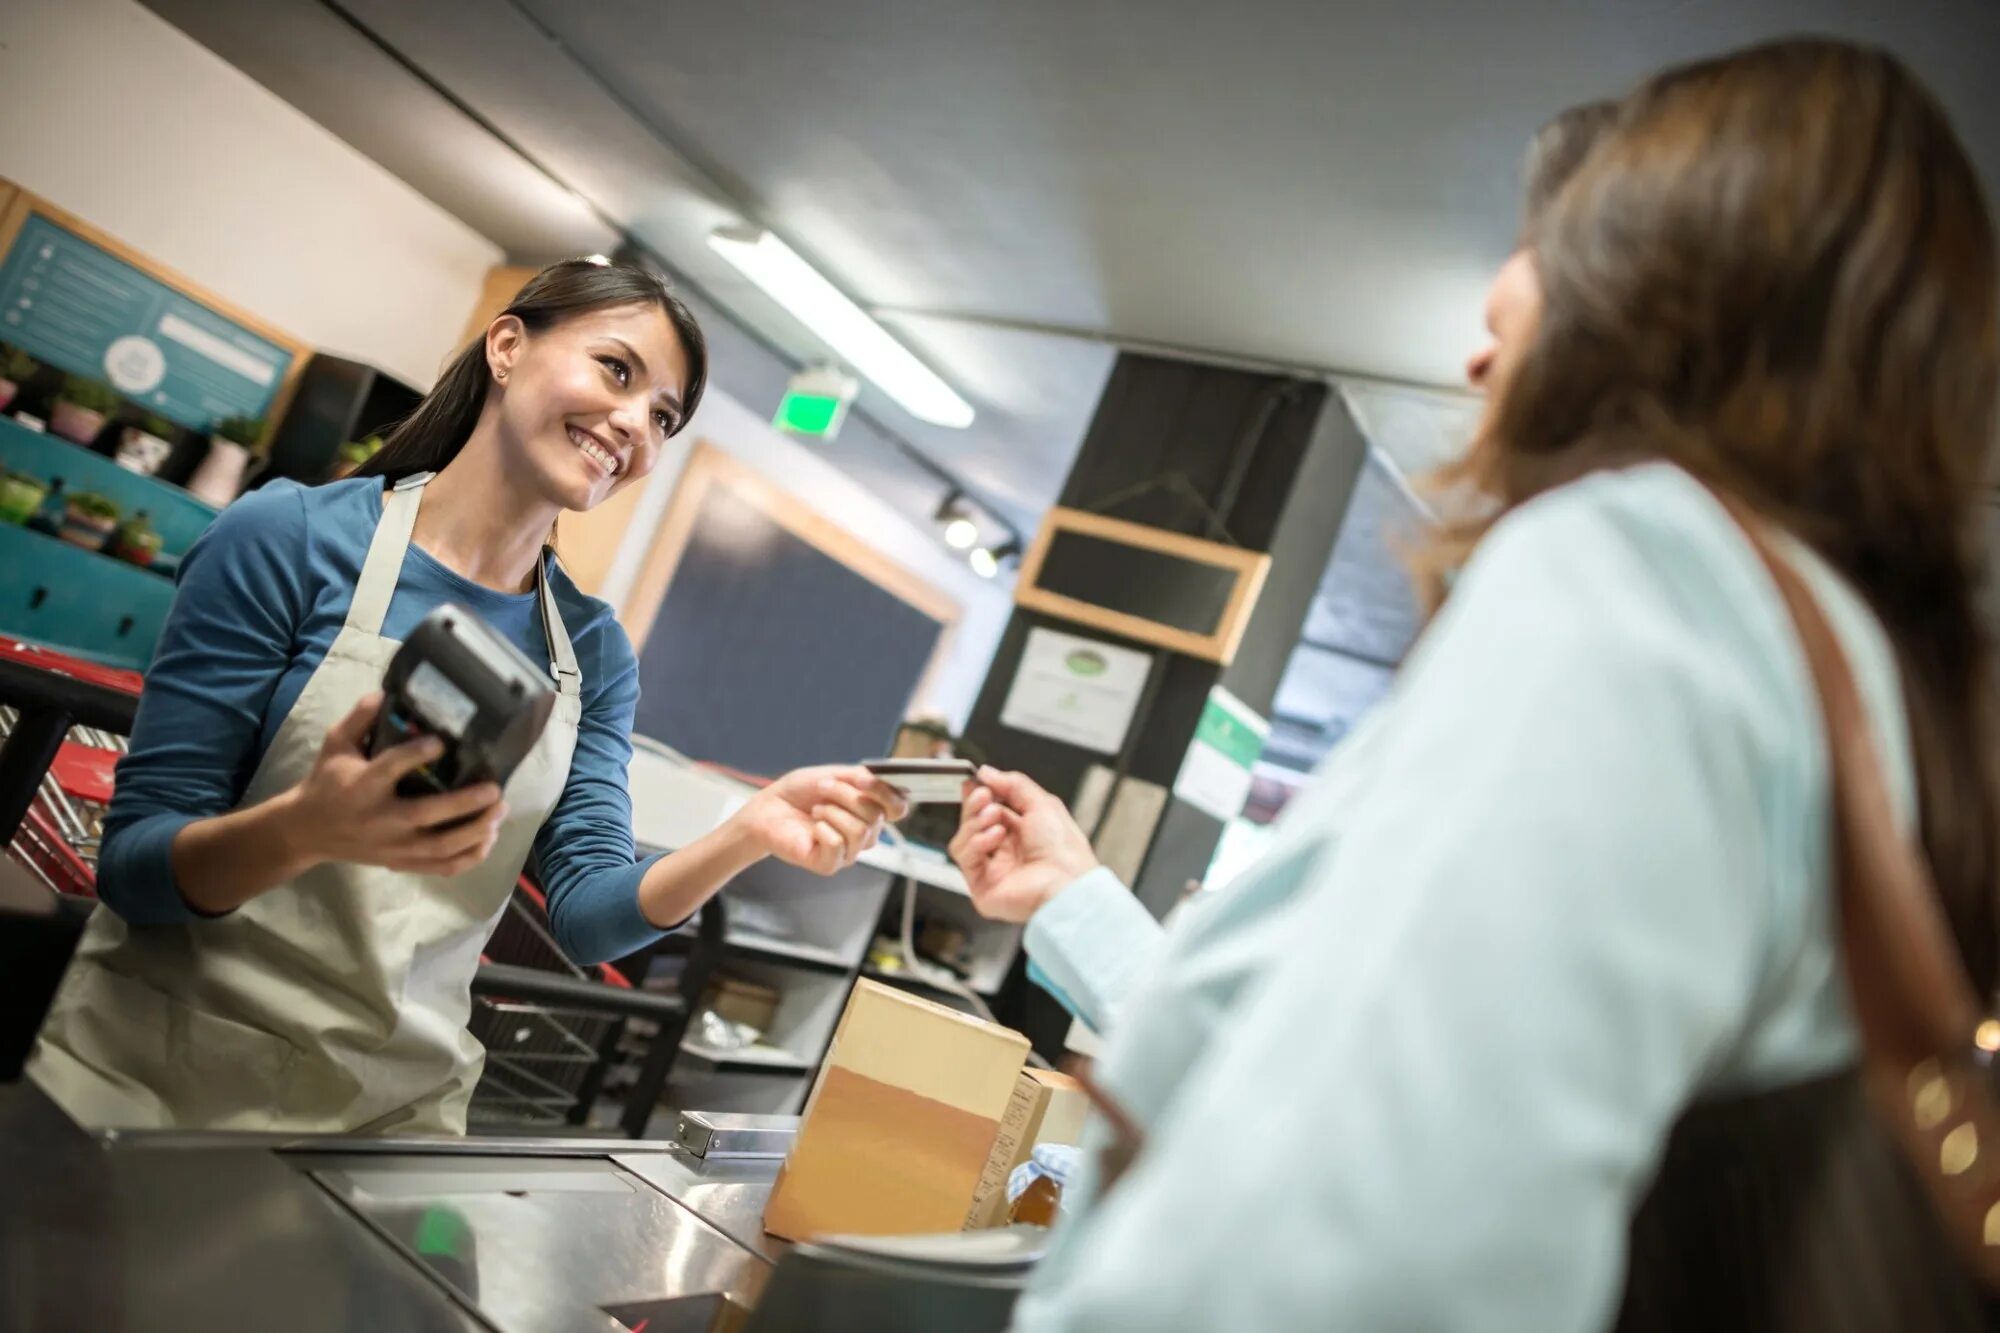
(758,1056)
(993,945)
(809,1004)
(769,946)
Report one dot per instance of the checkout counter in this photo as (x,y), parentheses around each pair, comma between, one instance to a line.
(110,1230)
(228,1233)
(114,1231)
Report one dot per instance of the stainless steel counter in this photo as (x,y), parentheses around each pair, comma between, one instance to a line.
(223,1232)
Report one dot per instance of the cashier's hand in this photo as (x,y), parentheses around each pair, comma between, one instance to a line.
(820,819)
(347,808)
(1018,846)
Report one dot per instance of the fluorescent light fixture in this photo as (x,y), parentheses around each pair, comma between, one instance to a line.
(841,324)
(983,563)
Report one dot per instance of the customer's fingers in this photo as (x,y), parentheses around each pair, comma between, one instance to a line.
(958,848)
(975,826)
(1016,789)
(984,844)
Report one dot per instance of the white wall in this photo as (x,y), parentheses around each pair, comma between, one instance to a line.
(113,114)
(793,467)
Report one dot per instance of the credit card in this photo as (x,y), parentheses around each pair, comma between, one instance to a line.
(926,781)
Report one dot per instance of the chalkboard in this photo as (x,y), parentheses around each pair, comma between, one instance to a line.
(1166,589)
(768,651)
(76,300)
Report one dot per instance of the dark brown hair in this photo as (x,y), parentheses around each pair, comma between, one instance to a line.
(431,436)
(1777,270)
(1555,154)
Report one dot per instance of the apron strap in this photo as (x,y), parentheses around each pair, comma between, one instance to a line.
(384,565)
(562,656)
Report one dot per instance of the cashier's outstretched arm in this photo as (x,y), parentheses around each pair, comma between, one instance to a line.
(819,819)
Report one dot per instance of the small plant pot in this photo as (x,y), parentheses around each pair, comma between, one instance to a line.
(9,391)
(137,551)
(20,497)
(220,476)
(89,531)
(141,452)
(78,425)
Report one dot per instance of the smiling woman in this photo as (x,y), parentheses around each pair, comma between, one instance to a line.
(606,351)
(285,942)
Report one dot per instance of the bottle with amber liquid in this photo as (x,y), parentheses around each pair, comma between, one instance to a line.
(1047,1169)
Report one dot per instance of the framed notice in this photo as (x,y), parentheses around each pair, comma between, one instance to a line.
(76,298)
(1080,691)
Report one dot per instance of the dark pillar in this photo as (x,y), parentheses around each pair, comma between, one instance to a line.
(1272,462)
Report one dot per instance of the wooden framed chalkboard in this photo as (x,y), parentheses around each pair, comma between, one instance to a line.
(769,637)
(1164,588)
(78,299)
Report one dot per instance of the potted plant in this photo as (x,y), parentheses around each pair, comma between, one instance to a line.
(81,407)
(353,454)
(143,448)
(136,541)
(89,521)
(15,368)
(20,496)
(220,475)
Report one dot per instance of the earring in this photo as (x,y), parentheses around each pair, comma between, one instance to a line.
(500,375)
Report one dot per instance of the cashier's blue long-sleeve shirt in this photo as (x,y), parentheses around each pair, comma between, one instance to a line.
(261,596)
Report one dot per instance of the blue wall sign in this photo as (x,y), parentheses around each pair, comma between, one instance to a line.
(77,306)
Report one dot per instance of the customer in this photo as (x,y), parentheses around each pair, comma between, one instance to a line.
(285,942)
(1418,1067)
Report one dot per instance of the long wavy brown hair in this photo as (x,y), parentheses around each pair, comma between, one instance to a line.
(1777,270)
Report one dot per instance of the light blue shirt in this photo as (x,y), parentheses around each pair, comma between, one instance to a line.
(1415,1068)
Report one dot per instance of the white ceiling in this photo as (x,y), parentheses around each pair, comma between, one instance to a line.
(1320,184)
(1017,186)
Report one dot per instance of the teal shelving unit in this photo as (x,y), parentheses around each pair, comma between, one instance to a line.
(177,515)
(85,602)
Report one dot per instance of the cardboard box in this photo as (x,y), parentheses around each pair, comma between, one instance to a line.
(1047,1107)
(901,1120)
(745,1002)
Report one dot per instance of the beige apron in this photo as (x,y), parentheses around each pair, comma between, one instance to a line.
(337,1001)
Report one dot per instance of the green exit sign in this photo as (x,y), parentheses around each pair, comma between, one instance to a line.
(815,414)
(815,403)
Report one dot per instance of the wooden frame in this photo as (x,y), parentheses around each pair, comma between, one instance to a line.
(709,469)
(17,205)
(1250,568)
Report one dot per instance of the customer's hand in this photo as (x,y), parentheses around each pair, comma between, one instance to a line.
(820,819)
(1018,846)
(347,809)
